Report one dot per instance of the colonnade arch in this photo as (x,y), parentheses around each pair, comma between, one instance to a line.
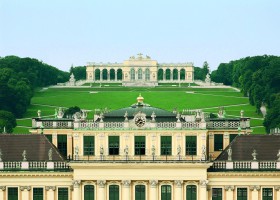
(108,74)
(170,74)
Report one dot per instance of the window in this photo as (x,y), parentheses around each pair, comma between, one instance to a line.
(49,137)
(114,192)
(62,144)
(147,74)
(38,194)
(132,74)
(166,145)
(267,194)
(89,192)
(139,74)
(165,192)
(231,137)
(191,192)
(12,193)
(88,145)
(62,193)
(191,145)
(114,145)
(241,193)
(218,142)
(139,145)
(217,194)
(140,192)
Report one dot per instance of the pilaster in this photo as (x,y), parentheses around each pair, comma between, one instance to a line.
(101,189)
(153,189)
(126,189)
(178,189)
(229,192)
(50,192)
(25,192)
(77,192)
(2,192)
(203,189)
(255,191)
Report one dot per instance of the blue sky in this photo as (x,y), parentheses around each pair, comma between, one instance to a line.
(66,32)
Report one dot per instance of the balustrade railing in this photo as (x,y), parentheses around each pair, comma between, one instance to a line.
(33,165)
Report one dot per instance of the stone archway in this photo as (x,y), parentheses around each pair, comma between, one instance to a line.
(182,74)
(104,74)
(119,75)
(97,75)
(160,75)
(112,75)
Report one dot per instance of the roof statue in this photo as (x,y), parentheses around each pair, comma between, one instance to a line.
(24,154)
(50,154)
(278,155)
(39,113)
(139,56)
(229,152)
(254,154)
(1,155)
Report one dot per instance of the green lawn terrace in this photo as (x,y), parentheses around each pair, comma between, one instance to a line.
(111,98)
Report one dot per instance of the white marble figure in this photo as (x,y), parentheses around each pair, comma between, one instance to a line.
(50,154)
(24,154)
(278,155)
(153,116)
(126,150)
(229,152)
(254,154)
(39,113)
(203,157)
(1,155)
(179,150)
(76,153)
(60,113)
(101,150)
(153,150)
(125,116)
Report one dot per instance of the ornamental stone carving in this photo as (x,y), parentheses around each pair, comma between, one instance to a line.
(76,183)
(101,183)
(277,188)
(255,187)
(22,188)
(50,188)
(178,183)
(203,183)
(229,188)
(126,183)
(3,188)
(153,183)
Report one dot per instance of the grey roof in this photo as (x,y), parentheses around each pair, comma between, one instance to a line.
(36,147)
(266,146)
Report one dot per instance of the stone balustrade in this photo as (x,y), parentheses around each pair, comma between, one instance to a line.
(245,165)
(34,165)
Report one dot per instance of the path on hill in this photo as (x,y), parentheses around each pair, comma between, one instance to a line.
(217,95)
(243,104)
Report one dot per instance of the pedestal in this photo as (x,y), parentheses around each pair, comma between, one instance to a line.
(153,190)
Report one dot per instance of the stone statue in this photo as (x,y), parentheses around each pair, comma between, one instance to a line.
(178,117)
(203,152)
(278,155)
(126,150)
(60,113)
(221,113)
(39,113)
(76,153)
(254,154)
(207,79)
(229,152)
(24,154)
(101,150)
(148,57)
(84,114)
(153,116)
(125,116)
(101,117)
(153,150)
(178,150)
(241,113)
(1,155)
(50,154)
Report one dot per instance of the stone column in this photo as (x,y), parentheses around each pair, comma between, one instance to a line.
(54,139)
(25,192)
(116,73)
(50,192)
(101,75)
(153,190)
(277,189)
(255,191)
(171,75)
(203,189)
(101,189)
(2,192)
(178,190)
(77,192)
(126,190)
(229,192)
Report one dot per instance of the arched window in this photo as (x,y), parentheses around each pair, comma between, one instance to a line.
(140,192)
(114,192)
(119,74)
(139,74)
(160,74)
(168,74)
(97,75)
(89,192)
(105,74)
(147,74)
(112,74)
(191,192)
(132,74)
(165,192)
(175,74)
(182,74)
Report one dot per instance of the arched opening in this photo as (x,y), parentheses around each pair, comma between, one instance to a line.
(97,75)
(182,74)
(112,74)
(89,192)
(175,74)
(166,192)
(140,74)
(119,74)
(147,74)
(168,74)
(140,192)
(132,74)
(160,75)
(191,192)
(114,192)
(104,74)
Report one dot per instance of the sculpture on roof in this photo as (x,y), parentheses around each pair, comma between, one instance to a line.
(278,155)
(254,154)
(229,152)
(24,154)
(1,155)
(50,154)
(221,113)
(60,113)
(153,116)
(125,116)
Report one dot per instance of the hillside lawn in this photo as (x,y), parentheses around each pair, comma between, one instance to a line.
(169,98)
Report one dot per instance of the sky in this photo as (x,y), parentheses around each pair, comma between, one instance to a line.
(70,32)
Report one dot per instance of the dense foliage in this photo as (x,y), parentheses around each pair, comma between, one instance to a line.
(259,78)
(201,72)
(79,72)
(18,79)
(8,121)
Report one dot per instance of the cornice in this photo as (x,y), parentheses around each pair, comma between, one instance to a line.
(32,174)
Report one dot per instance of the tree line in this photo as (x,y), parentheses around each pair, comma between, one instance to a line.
(18,79)
(258,78)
